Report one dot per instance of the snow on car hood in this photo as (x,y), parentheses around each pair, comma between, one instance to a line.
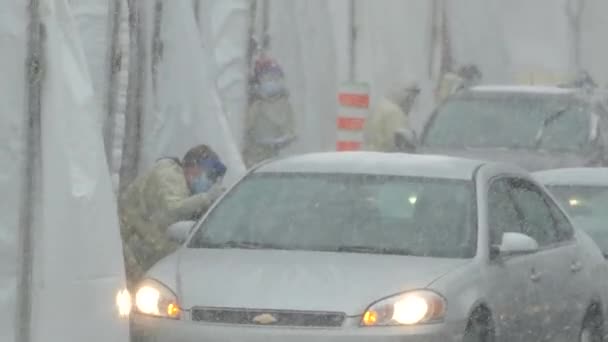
(294,280)
(528,159)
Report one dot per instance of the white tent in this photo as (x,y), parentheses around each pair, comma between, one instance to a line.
(302,41)
(13,39)
(77,256)
(182,104)
(223,26)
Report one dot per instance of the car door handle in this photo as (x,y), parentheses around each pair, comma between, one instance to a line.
(535,276)
(576,267)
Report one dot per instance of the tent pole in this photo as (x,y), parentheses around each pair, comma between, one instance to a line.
(114,66)
(31,173)
(352,67)
(252,49)
(265,40)
(157,43)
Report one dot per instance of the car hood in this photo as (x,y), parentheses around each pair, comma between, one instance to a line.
(530,160)
(294,280)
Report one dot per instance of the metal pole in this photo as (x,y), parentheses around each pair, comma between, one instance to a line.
(196,6)
(265,41)
(433,46)
(31,173)
(157,43)
(352,70)
(252,49)
(114,67)
(446,48)
(574,13)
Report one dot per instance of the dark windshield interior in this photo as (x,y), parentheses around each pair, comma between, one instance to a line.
(588,207)
(510,122)
(345,213)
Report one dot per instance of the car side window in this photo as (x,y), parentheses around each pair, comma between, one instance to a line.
(502,213)
(538,221)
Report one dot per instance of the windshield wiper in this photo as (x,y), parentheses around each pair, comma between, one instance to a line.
(540,135)
(238,245)
(374,250)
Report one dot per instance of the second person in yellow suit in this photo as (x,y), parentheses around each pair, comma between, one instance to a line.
(390,115)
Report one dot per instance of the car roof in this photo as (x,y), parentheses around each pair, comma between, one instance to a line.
(584,176)
(376,163)
(518,89)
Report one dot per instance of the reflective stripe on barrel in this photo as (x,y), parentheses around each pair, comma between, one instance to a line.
(353,103)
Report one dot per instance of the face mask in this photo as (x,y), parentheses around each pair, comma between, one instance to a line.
(271,88)
(201,184)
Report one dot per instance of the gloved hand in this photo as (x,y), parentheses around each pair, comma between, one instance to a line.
(405,140)
(215,192)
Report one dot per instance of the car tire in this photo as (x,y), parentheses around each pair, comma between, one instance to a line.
(592,329)
(479,328)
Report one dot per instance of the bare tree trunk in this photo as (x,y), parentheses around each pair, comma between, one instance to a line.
(135,92)
(114,67)
(574,13)
(31,172)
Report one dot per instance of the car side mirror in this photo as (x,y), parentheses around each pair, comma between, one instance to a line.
(406,140)
(179,231)
(517,243)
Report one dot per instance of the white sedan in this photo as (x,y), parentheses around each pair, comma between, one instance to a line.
(378,247)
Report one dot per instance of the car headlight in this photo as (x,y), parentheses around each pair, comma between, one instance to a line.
(415,307)
(123,303)
(155,299)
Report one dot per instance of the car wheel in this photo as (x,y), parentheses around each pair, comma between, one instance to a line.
(479,328)
(592,329)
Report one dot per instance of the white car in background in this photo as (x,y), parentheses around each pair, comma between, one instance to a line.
(378,247)
(583,192)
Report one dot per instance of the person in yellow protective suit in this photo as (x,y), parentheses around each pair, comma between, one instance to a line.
(270,122)
(173,190)
(390,115)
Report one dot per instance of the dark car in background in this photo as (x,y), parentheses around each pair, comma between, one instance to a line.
(536,127)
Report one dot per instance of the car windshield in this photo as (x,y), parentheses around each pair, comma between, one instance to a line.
(510,122)
(345,213)
(587,205)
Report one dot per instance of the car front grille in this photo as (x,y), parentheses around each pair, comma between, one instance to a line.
(269,317)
